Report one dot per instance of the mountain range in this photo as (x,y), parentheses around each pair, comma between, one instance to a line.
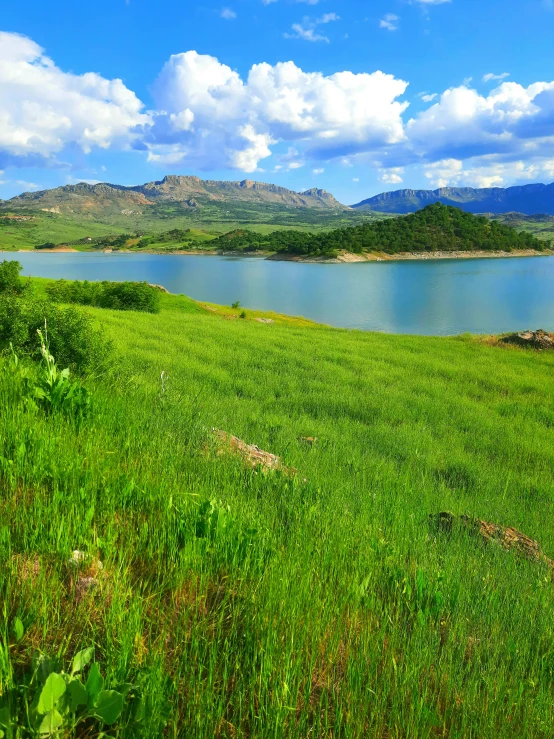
(527,199)
(191,194)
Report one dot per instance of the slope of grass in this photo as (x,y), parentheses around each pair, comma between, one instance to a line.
(44,227)
(541,226)
(111,219)
(315,606)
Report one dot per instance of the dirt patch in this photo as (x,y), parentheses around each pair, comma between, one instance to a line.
(538,339)
(25,567)
(349,258)
(252,454)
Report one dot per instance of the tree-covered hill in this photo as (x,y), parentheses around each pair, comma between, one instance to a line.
(434,228)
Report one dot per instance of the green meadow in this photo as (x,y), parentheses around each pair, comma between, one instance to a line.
(243,602)
(40,228)
(25,228)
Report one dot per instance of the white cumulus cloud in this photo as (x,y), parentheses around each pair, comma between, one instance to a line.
(392,175)
(512,121)
(208,116)
(485,173)
(43,109)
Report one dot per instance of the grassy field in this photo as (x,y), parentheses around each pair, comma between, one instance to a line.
(541,226)
(40,228)
(31,227)
(252,604)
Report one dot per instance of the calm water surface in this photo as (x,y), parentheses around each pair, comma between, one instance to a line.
(420,297)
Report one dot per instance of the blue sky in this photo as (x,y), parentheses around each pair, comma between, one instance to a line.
(353,96)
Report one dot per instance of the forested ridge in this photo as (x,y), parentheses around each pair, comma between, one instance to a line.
(436,227)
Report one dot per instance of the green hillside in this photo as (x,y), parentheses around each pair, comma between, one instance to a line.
(235,601)
(176,202)
(301,231)
(26,229)
(541,226)
(436,227)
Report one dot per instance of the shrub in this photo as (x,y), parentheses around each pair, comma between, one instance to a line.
(130,296)
(73,339)
(10,281)
(46,245)
(139,296)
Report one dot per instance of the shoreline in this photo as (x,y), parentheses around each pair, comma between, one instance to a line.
(349,258)
(343,258)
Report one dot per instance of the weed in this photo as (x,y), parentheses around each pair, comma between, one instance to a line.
(52,702)
(50,388)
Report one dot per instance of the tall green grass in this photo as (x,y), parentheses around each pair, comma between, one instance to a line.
(250,604)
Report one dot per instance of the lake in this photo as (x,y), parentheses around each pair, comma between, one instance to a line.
(438,297)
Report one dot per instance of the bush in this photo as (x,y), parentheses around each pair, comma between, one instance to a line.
(73,339)
(10,282)
(139,296)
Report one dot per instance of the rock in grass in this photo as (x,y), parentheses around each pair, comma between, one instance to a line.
(506,536)
(538,339)
(253,455)
(161,288)
(83,585)
(85,572)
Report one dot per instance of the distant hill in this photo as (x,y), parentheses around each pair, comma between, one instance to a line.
(526,199)
(190,193)
(436,227)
